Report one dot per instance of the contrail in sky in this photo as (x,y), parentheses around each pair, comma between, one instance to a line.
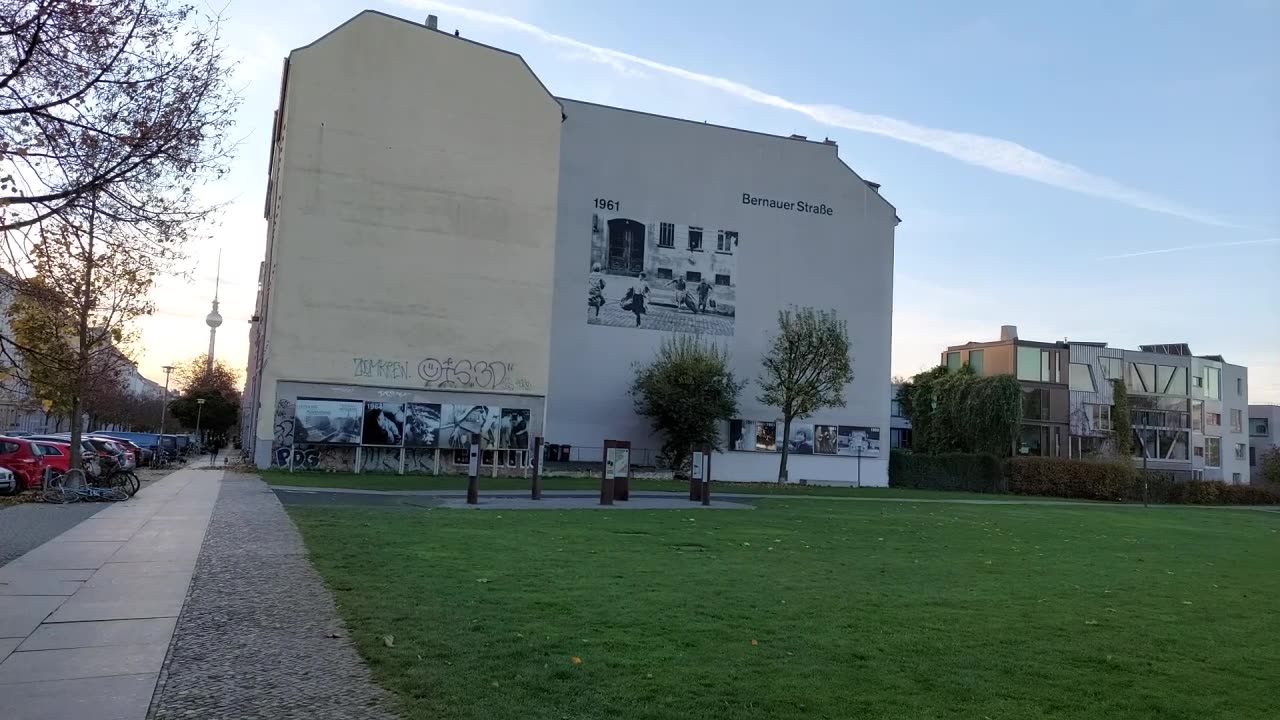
(1003,156)
(1161,251)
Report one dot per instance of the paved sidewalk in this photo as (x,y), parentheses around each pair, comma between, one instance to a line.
(97,605)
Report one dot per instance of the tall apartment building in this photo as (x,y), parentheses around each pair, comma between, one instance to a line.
(1188,411)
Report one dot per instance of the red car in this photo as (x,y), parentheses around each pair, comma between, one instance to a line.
(54,455)
(23,458)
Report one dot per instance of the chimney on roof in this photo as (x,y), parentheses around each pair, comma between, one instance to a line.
(873,185)
(828,141)
(798,137)
(432,21)
(1008,332)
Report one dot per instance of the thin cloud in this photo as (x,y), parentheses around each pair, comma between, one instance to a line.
(1209,246)
(1003,156)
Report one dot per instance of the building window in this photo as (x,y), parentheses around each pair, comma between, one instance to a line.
(1212,452)
(1035,364)
(1173,444)
(1045,360)
(1113,368)
(1031,440)
(1035,404)
(953,361)
(1197,381)
(693,276)
(725,240)
(1099,416)
(664,273)
(900,438)
(695,238)
(1082,378)
(1240,387)
(1213,419)
(1199,451)
(666,235)
(1212,383)
(1171,380)
(1253,456)
(1240,451)
(1237,421)
(975,361)
(1197,415)
(722,280)
(1235,478)
(1260,427)
(1141,377)
(895,408)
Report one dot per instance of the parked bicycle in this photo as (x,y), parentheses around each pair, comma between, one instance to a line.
(72,486)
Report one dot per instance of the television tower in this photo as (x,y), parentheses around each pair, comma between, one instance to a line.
(214,318)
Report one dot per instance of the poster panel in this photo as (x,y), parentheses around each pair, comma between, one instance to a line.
(855,440)
(383,424)
(422,425)
(824,439)
(742,435)
(801,440)
(513,429)
(322,421)
(766,436)
(459,421)
(617,462)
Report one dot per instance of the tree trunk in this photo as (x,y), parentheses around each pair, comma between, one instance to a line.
(76,459)
(786,435)
(84,304)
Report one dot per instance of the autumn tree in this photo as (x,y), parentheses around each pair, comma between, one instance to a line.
(73,319)
(806,368)
(121,103)
(686,392)
(218,386)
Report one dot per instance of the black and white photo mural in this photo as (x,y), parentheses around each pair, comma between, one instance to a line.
(383,424)
(458,422)
(742,435)
(655,274)
(422,425)
(824,439)
(336,422)
(766,436)
(513,429)
(858,441)
(801,440)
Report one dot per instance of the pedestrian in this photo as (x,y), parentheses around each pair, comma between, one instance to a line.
(595,288)
(636,297)
(704,292)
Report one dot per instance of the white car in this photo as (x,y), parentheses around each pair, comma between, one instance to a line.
(8,483)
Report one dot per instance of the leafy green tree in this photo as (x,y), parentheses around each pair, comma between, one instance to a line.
(960,411)
(686,392)
(1121,423)
(806,368)
(218,386)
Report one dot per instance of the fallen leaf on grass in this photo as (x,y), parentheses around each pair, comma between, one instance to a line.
(1090,622)
(389,640)
(755,642)
(575,660)
(482,580)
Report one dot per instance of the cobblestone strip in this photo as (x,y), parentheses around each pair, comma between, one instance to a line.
(259,636)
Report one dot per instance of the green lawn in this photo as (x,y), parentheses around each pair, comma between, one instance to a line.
(459,482)
(812,610)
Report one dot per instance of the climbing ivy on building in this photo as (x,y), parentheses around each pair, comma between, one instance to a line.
(960,411)
(1120,420)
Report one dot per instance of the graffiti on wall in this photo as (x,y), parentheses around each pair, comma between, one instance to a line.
(380,460)
(445,373)
(380,368)
(419,460)
(282,436)
(329,458)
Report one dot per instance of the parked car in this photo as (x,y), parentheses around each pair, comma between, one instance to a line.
(54,455)
(92,459)
(20,456)
(124,456)
(139,456)
(8,482)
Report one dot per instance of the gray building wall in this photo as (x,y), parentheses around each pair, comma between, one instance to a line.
(1264,434)
(633,186)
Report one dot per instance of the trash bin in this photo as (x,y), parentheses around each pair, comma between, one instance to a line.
(564,452)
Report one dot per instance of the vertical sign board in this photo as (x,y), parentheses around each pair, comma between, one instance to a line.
(706,474)
(535,490)
(473,471)
(617,471)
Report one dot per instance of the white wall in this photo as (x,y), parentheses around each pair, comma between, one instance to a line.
(1235,396)
(412,216)
(691,174)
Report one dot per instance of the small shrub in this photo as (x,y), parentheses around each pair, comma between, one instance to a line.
(1211,492)
(947,471)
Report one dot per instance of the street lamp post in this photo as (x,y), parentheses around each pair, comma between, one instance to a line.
(199,410)
(164,410)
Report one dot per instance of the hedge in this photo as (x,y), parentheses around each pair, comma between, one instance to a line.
(1113,480)
(947,471)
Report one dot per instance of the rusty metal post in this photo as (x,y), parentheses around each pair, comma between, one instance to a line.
(536,489)
(473,471)
(606,476)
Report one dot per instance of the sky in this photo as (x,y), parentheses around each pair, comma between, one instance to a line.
(1098,171)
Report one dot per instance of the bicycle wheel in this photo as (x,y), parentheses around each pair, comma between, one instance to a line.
(131,483)
(58,495)
(116,494)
